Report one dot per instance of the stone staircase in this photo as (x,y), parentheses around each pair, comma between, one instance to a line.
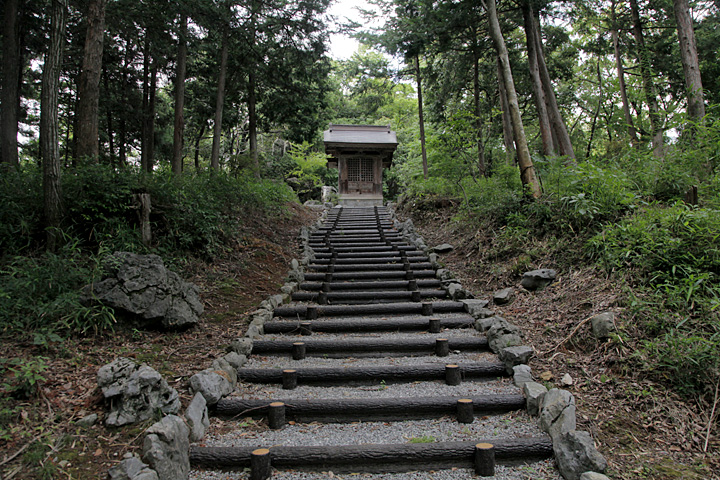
(372,372)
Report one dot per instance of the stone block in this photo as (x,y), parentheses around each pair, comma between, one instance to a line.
(235,359)
(538,279)
(576,454)
(484,324)
(456,292)
(603,324)
(167,448)
(223,367)
(557,414)
(534,393)
(475,306)
(197,418)
(593,476)
(517,355)
(443,248)
(522,374)
(132,468)
(504,296)
(241,346)
(212,384)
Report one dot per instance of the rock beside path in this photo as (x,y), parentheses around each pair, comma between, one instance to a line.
(538,279)
(136,392)
(141,288)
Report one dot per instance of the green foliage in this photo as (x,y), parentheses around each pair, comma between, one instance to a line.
(672,253)
(22,377)
(310,170)
(197,215)
(41,294)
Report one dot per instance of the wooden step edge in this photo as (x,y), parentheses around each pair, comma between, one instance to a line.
(376,458)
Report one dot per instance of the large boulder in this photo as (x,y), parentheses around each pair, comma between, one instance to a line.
(141,288)
(136,392)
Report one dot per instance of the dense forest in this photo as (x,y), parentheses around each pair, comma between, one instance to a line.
(585,132)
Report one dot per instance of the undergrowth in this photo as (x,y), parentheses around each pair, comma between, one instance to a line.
(626,215)
(192,216)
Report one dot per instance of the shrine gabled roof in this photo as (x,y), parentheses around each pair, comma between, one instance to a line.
(379,136)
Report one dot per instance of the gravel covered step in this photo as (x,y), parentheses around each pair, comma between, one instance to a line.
(372,373)
(371,266)
(408,253)
(425,308)
(352,345)
(378,284)
(366,297)
(372,248)
(359,261)
(369,275)
(366,409)
(376,457)
(367,324)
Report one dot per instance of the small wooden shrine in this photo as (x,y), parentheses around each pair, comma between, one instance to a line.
(360,152)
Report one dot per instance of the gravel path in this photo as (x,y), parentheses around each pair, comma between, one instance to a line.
(414,389)
(444,429)
(286,362)
(544,470)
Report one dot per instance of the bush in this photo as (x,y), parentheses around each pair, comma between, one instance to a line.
(193,215)
(672,254)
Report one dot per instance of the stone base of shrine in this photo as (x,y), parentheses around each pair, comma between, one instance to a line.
(368,200)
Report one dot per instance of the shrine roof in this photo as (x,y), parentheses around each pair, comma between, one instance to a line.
(352,135)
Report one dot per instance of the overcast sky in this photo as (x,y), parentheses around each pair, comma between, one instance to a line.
(341,46)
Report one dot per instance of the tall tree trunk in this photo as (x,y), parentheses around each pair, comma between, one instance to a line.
(621,76)
(648,85)
(252,124)
(527,169)
(508,139)
(179,124)
(86,135)
(689,58)
(197,147)
(145,103)
(421,116)
(597,112)
(562,137)
(219,101)
(538,92)
(10,83)
(109,117)
(482,167)
(151,116)
(49,151)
